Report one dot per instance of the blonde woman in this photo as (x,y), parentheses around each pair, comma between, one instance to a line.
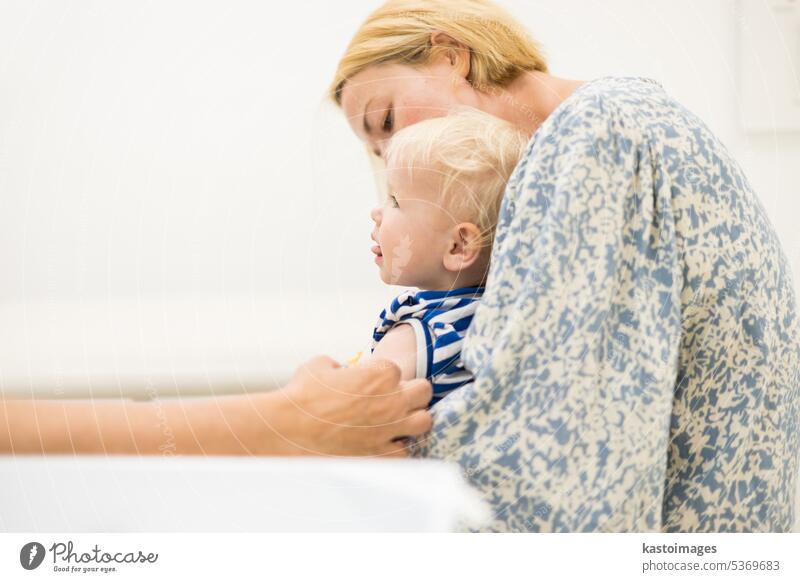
(636,349)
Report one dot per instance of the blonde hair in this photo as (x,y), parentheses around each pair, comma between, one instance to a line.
(400,32)
(473,152)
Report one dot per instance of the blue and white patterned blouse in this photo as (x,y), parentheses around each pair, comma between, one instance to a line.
(636,351)
(439,320)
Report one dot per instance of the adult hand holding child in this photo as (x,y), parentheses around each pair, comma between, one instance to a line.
(324,410)
(356,411)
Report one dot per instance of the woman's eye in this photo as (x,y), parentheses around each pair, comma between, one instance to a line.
(387,122)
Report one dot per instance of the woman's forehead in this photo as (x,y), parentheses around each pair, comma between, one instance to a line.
(377,79)
(364,85)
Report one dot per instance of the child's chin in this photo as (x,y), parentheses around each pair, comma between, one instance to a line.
(387,278)
(399,282)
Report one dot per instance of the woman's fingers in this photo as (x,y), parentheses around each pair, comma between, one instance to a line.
(394,450)
(356,410)
(323,362)
(418,392)
(387,371)
(417,423)
(317,367)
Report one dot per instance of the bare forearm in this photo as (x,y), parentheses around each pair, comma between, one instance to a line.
(324,410)
(228,425)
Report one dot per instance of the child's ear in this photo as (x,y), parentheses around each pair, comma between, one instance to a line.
(464,248)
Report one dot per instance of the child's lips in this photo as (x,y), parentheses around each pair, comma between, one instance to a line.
(378,254)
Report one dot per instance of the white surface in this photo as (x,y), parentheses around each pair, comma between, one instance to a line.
(137,494)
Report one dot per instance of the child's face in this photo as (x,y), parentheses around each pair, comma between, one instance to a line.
(412,231)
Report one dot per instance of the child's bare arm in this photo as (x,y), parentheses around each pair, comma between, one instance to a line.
(400,346)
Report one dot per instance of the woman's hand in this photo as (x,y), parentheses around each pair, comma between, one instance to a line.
(331,410)
(324,410)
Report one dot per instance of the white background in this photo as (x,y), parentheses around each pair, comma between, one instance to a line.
(180,205)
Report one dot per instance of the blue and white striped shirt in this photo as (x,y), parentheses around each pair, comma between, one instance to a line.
(440,320)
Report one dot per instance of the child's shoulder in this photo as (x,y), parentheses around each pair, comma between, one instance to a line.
(414,300)
(428,306)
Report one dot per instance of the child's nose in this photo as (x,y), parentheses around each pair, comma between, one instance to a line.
(376,214)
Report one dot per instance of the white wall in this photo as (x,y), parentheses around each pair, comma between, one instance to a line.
(180,206)
(176,197)
(179,200)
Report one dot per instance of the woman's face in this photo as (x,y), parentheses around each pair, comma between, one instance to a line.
(383,99)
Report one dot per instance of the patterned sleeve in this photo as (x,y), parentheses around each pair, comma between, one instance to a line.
(575,343)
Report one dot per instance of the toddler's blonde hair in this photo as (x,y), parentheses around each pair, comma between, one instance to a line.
(473,152)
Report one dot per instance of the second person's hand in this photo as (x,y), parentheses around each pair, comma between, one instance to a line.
(364,410)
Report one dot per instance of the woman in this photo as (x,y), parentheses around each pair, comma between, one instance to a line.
(636,352)
(324,410)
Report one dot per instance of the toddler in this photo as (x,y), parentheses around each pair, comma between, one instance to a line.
(446,178)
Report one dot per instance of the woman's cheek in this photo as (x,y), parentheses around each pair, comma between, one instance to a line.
(420,110)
